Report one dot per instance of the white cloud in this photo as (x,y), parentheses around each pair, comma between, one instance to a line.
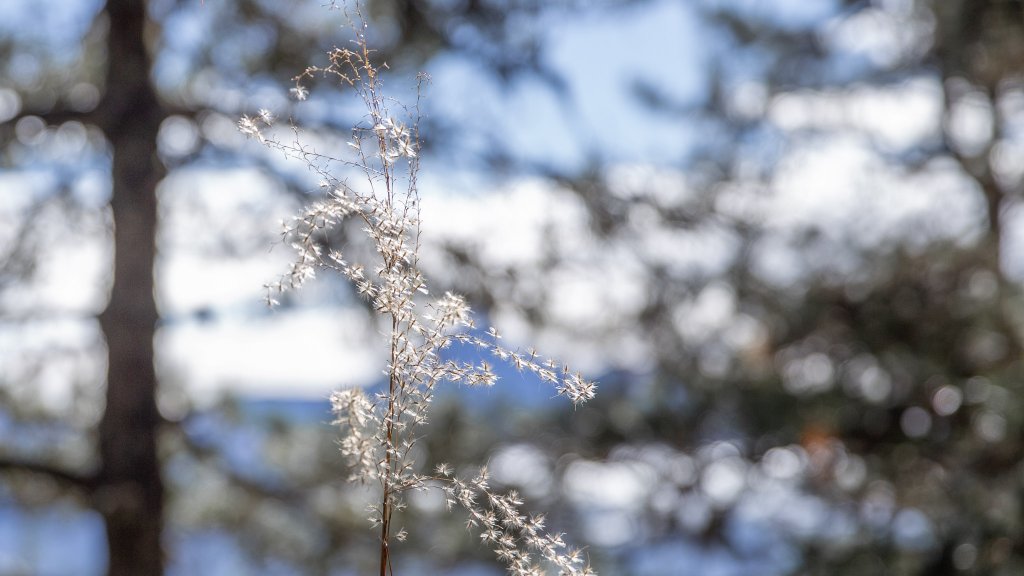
(305,353)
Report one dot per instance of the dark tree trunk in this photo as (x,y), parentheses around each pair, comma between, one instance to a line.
(129,491)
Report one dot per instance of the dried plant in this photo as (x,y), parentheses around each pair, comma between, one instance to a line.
(381,429)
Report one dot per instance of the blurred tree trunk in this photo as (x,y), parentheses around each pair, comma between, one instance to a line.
(129,490)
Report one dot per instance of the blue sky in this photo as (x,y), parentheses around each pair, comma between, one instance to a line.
(603,55)
(659,44)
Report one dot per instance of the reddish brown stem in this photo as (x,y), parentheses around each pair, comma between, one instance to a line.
(385,511)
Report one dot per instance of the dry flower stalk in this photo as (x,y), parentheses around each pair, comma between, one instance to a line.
(380,429)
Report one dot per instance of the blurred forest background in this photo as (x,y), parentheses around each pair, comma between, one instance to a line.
(786,237)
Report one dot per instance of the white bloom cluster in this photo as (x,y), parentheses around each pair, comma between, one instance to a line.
(380,430)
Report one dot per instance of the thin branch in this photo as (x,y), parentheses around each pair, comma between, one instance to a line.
(55,116)
(211,455)
(75,479)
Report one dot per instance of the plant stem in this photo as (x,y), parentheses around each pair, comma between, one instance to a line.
(385,525)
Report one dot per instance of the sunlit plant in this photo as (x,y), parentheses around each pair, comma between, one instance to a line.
(379,430)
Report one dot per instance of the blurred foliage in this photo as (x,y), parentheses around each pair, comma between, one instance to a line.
(897,382)
(859,409)
(883,378)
